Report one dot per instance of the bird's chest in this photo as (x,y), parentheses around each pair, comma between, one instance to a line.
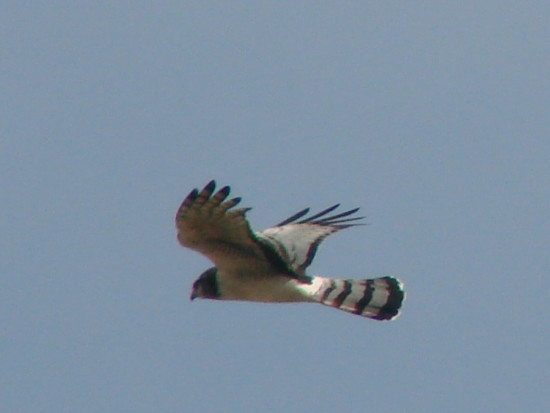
(269,288)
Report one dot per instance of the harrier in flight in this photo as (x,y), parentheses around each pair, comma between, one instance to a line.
(270,265)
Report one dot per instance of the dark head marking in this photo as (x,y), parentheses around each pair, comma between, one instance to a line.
(206,286)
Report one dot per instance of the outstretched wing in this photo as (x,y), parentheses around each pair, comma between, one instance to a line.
(297,241)
(207,224)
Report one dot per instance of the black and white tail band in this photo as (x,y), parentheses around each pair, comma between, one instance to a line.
(378,298)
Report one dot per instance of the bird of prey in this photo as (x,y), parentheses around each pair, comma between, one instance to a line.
(270,266)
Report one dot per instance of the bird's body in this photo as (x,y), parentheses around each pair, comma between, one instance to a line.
(276,288)
(270,266)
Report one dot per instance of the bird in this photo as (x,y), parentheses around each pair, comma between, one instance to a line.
(270,266)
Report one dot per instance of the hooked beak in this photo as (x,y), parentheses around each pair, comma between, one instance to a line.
(193,296)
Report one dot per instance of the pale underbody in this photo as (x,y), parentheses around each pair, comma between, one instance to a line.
(276,288)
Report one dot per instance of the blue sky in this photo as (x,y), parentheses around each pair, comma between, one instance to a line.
(433,117)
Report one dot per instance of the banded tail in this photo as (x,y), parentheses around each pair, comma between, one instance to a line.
(378,298)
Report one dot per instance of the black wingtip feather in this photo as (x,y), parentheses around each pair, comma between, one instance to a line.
(210,186)
(320,214)
(225,190)
(192,195)
(293,218)
(340,215)
(320,218)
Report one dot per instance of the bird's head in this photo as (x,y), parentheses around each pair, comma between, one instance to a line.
(206,286)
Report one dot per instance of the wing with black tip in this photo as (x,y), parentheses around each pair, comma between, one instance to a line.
(207,223)
(297,240)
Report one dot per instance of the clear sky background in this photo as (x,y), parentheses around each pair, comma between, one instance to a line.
(431,116)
